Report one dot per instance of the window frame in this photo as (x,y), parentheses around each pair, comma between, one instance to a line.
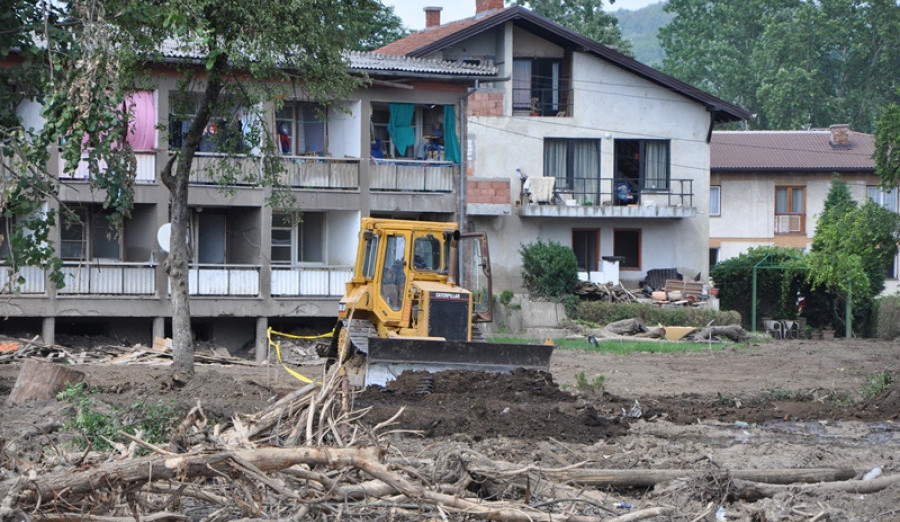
(717,189)
(618,252)
(621,162)
(568,180)
(88,222)
(886,199)
(211,141)
(542,100)
(801,214)
(592,236)
(297,239)
(428,122)
(297,121)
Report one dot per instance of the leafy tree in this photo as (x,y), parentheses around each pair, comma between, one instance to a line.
(887,146)
(776,288)
(791,62)
(246,56)
(585,17)
(641,27)
(851,248)
(548,269)
(378,27)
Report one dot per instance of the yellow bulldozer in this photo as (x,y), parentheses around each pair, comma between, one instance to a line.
(418,293)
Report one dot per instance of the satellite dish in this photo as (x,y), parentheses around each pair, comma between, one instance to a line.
(163,236)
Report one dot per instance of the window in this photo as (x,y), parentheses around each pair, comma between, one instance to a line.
(627,244)
(393,276)
(423,132)
(427,251)
(225,131)
(642,165)
(301,129)
(715,200)
(575,163)
(86,235)
(790,206)
(586,245)
(884,198)
(6,226)
(538,86)
(300,243)
(713,256)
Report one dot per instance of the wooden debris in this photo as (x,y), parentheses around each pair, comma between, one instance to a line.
(42,381)
(604,292)
(733,332)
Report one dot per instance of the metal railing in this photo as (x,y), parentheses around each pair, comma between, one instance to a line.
(543,102)
(616,192)
(145,172)
(31,282)
(412,175)
(316,172)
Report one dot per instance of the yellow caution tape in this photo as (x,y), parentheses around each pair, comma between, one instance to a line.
(277,346)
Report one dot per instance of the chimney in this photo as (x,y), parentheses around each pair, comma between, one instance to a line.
(432,16)
(487,5)
(840,135)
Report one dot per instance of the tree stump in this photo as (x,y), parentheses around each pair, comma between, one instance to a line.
(42,381)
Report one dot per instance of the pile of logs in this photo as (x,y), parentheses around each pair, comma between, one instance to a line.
(307,457)
(613,293)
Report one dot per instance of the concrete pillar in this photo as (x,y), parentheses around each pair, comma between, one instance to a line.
(159,327)
(262,339)
(48,331)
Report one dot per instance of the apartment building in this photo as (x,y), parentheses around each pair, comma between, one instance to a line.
(251,267)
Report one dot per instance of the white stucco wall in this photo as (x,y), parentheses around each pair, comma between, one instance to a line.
(609,104)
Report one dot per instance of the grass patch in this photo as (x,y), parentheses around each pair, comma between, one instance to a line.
(876,383)
(617,346)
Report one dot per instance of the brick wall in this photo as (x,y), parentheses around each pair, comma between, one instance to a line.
(491,191)
(486,104)
(486,5)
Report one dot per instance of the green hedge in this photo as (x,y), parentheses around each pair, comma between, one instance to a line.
(888,317)
(603,313)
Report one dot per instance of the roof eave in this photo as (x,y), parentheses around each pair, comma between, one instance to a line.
(723,112)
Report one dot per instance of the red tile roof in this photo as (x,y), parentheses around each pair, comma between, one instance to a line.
(431,35)
(790,151)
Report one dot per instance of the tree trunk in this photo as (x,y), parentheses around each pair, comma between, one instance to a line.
(178,263)
(42,381)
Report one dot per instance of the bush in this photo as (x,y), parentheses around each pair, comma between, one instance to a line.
(602,313)
(549,270)
(888,317)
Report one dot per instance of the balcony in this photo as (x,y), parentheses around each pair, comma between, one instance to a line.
(313,172)
(223,280)
(33,283)
(144,174)
(606,198)
(389,175)
(108,278)
(310,281)
(208,168)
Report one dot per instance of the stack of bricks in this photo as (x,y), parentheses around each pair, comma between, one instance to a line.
(486,104)
(493,192)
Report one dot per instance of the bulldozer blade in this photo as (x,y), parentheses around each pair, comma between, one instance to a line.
(389,357)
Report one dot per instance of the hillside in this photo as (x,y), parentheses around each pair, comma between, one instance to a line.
(641,27)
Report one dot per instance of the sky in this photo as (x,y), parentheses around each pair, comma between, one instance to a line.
(413,15)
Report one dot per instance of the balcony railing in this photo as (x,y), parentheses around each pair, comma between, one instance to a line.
(145,173)
(607,197)
(542,102)
(208,167)
(412,175)
(310,281)
(108,278)
(33,280)
(321,173)
(223,280)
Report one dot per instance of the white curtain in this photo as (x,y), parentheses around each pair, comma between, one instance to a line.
(555,161)
(521,84)
(656,163)
(586,168)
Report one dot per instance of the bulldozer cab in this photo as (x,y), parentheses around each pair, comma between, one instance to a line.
(475,274)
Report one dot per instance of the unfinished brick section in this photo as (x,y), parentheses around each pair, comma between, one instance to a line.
(486,104)
(490,191)
(432,16)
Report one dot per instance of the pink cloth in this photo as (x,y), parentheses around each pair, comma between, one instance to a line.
(141,120)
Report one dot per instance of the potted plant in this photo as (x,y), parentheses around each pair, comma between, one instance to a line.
(535,107)
(816,335)
(828,333)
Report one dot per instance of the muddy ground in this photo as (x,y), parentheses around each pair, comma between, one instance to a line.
(762,406)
